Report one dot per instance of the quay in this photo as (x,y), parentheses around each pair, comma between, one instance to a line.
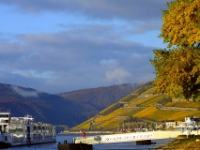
(141,138)
(138,137)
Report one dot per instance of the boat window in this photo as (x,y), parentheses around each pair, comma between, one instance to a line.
(15,128)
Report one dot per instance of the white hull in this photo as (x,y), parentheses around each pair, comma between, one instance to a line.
(23,131)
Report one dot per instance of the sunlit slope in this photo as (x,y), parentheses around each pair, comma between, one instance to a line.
(142,103)
(183,104)
(156,114)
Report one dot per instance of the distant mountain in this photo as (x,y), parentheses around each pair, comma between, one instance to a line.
(42,106)
(68,109)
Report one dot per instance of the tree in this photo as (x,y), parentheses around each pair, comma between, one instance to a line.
(178,69)
(181,23)
(177,72)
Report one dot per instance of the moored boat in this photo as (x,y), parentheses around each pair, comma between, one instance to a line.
(21,131)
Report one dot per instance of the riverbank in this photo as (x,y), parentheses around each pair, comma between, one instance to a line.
(183,142)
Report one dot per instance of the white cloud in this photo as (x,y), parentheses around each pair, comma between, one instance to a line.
(24,93)
(65,45)
(117,75)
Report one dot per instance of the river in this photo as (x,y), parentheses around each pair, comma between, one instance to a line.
(114,146)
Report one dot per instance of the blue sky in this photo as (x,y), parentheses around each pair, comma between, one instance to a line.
(58,46)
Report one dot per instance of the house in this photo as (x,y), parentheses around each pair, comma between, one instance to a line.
(166,124)
(169,124)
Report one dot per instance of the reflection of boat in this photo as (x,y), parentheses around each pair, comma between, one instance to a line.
(19,131)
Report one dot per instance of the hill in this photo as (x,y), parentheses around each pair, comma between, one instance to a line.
(55,109)
(95,99)
(42,106)
(141,108)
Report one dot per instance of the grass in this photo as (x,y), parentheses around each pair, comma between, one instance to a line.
(146,101)
(109,125)
(142,89)
(128,98)
(150,91)
(155,114)
(118,112)
(109,108)
(183,104)
(152,100)
(190,143)
(133,111)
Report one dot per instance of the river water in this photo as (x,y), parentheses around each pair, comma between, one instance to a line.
(114,146)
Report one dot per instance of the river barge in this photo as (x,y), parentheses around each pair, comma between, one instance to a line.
(22,131)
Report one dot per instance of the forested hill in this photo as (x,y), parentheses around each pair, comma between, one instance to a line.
(75,108)
(42,106)
(101,97)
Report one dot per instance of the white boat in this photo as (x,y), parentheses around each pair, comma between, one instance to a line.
(21,131)
(189,126)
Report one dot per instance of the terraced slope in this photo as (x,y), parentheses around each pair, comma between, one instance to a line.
(142,105)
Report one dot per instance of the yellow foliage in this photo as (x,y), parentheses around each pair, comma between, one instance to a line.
(183,104)
(110,124)
(152,100)
(106,109)
(177,72)
(181,15)
(150,91)
(118,112)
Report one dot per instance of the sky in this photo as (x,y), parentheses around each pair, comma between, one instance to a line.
(59,46)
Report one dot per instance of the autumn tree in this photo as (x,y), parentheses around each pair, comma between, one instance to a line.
(178,69)
(181,23)
(177,72)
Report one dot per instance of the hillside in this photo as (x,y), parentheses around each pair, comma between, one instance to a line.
(141,108)
(42,106)
(96,99)
(55,109)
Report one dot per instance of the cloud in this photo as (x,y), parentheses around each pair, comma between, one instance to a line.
(24,93)
(103,9)
(65,45)
(40,51)
(70,59)
(117,75)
